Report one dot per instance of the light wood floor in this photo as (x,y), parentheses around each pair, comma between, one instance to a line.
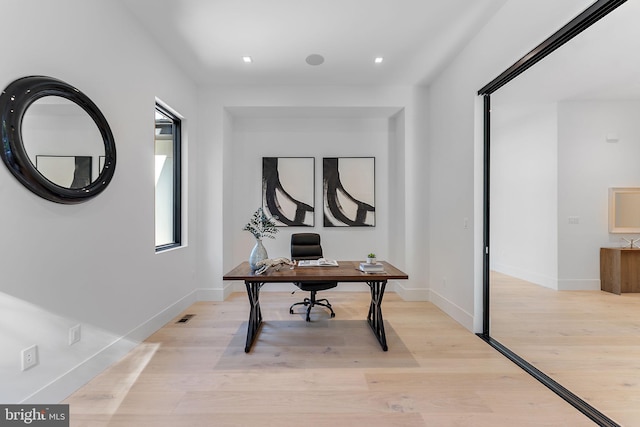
(588,341)
(330,372)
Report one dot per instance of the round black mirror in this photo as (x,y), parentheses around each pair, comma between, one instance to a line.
(55,140)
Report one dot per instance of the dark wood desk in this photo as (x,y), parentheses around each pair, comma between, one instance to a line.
(347,271)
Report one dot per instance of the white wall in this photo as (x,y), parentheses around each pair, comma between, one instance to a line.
(91,264)
(588,166)
(524,191)
(246,123)
(456,148)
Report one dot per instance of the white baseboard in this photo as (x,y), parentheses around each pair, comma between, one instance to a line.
(529,276)
(211,294)
(448,307)
(410,294)
(407,294)
(230,287)
(549,282)
(579,285)
(63,386)
(452,310)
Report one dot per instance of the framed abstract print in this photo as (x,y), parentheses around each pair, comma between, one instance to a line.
(348,189)
(288,190)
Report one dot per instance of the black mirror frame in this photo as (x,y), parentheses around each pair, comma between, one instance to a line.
(14,101)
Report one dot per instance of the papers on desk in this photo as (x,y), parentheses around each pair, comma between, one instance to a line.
(317,263)
(371,268)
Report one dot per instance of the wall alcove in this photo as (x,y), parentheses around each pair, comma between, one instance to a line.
(252,132)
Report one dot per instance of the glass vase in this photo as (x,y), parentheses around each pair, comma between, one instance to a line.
(258,253)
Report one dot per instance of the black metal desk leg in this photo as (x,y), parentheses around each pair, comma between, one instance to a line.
(255,314)
(375,312)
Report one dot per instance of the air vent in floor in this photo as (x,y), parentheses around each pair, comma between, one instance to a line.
(185,318)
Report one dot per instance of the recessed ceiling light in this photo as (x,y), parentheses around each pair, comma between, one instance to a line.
(378,60)
(315,59)
(247,59)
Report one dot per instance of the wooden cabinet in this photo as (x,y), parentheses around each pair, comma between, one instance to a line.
(620,270)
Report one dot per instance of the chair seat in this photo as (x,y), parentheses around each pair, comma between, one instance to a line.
(316,286)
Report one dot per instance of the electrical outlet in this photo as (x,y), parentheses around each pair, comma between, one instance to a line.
(74,334)
(29,357)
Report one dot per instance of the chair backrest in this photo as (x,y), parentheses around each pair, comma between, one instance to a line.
(305,246)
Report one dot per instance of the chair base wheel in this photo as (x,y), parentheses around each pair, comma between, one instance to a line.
(310,303)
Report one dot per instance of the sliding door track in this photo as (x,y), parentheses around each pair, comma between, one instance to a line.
(554,386)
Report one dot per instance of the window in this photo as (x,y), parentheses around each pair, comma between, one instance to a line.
(167,179)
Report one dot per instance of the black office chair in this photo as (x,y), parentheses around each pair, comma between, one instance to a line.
(305,246)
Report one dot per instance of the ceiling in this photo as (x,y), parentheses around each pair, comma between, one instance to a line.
(208,38)
(598,64)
